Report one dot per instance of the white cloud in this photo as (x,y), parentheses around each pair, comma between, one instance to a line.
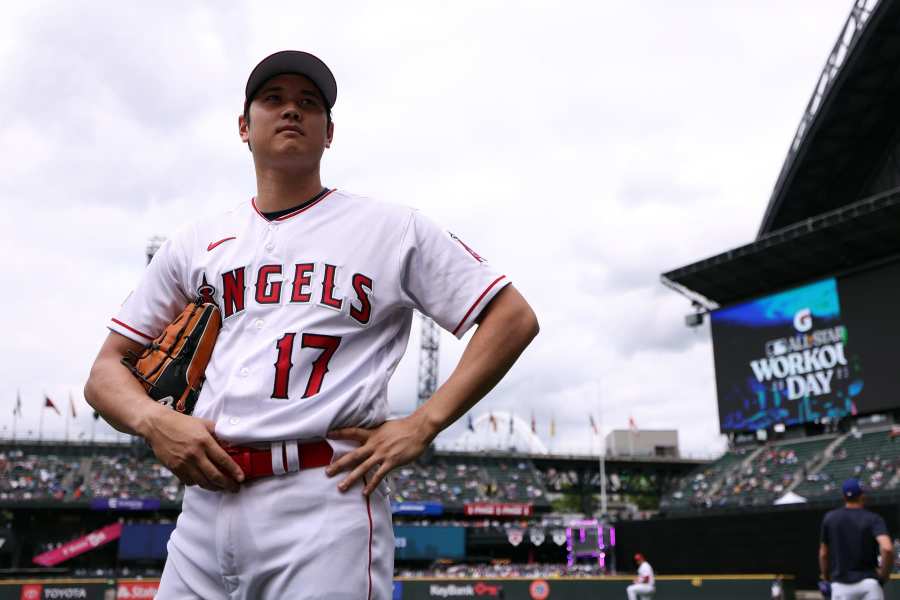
(584,147)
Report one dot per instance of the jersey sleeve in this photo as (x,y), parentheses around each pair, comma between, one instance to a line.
(158,298)
(879,527)
(444,278)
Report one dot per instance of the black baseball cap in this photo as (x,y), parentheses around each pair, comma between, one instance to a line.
(292,61)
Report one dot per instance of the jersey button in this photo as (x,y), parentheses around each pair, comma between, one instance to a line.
(259,323)
(245,371)
(270,246)
(234,420)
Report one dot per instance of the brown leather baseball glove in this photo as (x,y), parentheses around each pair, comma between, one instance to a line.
(172,367)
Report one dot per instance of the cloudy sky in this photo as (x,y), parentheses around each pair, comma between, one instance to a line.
(583,147)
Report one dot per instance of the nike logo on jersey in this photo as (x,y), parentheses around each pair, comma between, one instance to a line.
(222,241)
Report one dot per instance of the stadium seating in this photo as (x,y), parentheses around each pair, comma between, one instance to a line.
(694,489)
(873,457)
(757,476)
(560,480)
(123,474)
(770,473)
(36,477)
(754,475)
(131,477)
(53,477)
(460,481)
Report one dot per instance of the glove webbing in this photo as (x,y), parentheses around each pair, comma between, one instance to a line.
(130,355)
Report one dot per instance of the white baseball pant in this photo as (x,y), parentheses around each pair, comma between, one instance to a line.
(289,536)
(639,590)
(867,589)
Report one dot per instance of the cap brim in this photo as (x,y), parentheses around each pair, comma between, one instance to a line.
(297,62)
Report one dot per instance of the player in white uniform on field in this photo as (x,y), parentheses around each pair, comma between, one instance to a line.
(645,583)
(316,288)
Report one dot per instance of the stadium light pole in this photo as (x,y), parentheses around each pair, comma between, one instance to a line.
(429,356)
(603,499)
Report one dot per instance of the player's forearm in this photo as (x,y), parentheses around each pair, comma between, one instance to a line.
(114,393)
(887,564)
(503,334)
(823,565)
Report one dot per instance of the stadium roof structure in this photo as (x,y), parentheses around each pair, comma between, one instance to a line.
(826,212)
(843,134)
(863,233)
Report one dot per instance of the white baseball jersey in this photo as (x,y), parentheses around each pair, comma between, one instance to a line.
(316,306)
(646,571)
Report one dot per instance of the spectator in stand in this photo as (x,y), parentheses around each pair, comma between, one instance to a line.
(851,541)
(644,583)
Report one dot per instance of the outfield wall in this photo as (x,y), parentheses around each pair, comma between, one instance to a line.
(671,587)
(749,587)
(699,587)
(780,540)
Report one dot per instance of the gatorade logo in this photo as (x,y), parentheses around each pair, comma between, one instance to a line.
(803,320)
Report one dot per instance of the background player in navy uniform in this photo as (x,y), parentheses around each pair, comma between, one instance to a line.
(853,540)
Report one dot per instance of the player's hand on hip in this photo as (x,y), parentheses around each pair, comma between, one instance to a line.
(391,444)
(187,446)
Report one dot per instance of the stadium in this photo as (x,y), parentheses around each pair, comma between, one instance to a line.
(808,388)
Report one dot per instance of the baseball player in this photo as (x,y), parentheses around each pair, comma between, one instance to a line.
(853,540)
(644,584)
(288,446)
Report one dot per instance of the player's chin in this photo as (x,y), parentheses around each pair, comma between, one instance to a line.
(296,147)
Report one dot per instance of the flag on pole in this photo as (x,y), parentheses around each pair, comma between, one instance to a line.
(493,421)
(552,426)
(72,405)
(593,425)
(511,424)
(470,425)
(533,423)
(48,403)
(632,425)
(17,409)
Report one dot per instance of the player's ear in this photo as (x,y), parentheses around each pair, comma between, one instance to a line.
(329,134)
(244,129)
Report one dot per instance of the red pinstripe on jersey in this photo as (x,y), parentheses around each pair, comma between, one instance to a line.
(480,298)
(131,329)
(369,510)
(296,212)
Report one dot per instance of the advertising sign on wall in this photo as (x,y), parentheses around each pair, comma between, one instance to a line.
(498,509)
(429,542)
(79,546)
(417,508)
(136,589)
